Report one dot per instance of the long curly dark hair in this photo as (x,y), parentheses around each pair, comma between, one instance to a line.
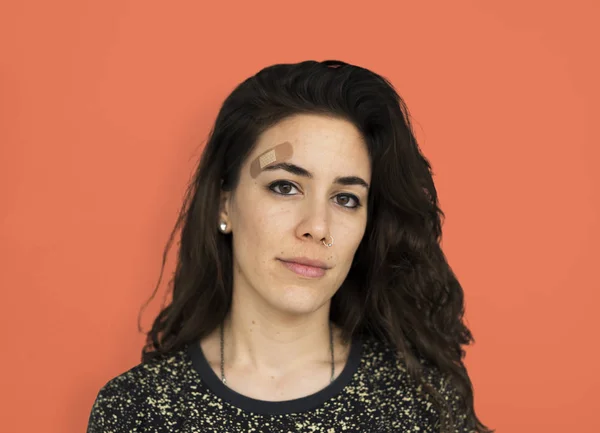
(400,287)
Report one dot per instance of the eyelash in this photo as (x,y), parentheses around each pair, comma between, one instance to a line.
(272,185)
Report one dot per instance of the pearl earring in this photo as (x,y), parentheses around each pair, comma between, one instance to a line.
(223,226)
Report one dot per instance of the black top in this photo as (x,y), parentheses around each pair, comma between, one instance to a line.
(181,393)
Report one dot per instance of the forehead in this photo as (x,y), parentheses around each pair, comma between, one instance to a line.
(321,144)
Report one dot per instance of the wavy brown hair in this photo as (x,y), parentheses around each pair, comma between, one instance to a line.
(400,287)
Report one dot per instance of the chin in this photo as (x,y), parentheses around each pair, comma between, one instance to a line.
(299,300)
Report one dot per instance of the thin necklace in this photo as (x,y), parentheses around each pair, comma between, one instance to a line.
(223,362)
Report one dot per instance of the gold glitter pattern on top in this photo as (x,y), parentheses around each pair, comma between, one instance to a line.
(168,395)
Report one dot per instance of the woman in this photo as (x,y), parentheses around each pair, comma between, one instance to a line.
(310,293)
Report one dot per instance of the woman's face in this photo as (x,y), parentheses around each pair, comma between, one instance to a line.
(275,216)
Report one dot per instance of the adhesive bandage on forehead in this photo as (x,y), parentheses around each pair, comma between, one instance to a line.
(281,152)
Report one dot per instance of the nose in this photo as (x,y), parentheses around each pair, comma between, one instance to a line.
(315,223)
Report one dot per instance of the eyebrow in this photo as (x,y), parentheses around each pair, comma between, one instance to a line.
(299,171)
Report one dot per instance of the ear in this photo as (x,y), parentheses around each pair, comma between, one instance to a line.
(224,208)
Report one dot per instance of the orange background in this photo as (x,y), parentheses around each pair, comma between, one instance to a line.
(104,109)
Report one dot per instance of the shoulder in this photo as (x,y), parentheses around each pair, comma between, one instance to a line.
(145,377)
(381,360)
(392,364)
(455,411)
(390,376)
(130,399)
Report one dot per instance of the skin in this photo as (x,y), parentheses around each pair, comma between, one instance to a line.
(277,333)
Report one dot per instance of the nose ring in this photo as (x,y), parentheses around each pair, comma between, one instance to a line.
(329,244)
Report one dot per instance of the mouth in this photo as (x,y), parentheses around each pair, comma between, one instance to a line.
(304,270)
(307,262)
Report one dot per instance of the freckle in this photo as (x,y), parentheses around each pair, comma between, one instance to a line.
(253,322)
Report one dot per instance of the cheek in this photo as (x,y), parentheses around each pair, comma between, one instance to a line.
(250,236)
(351,230)
(260,231)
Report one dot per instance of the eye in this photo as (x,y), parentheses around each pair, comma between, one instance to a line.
(346,198)
(285,186)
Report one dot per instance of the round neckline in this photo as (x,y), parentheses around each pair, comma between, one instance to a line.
(302,404)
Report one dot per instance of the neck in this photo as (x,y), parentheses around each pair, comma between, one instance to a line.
(276,347)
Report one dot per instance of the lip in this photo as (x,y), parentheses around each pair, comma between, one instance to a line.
(304,270)
(306,262)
